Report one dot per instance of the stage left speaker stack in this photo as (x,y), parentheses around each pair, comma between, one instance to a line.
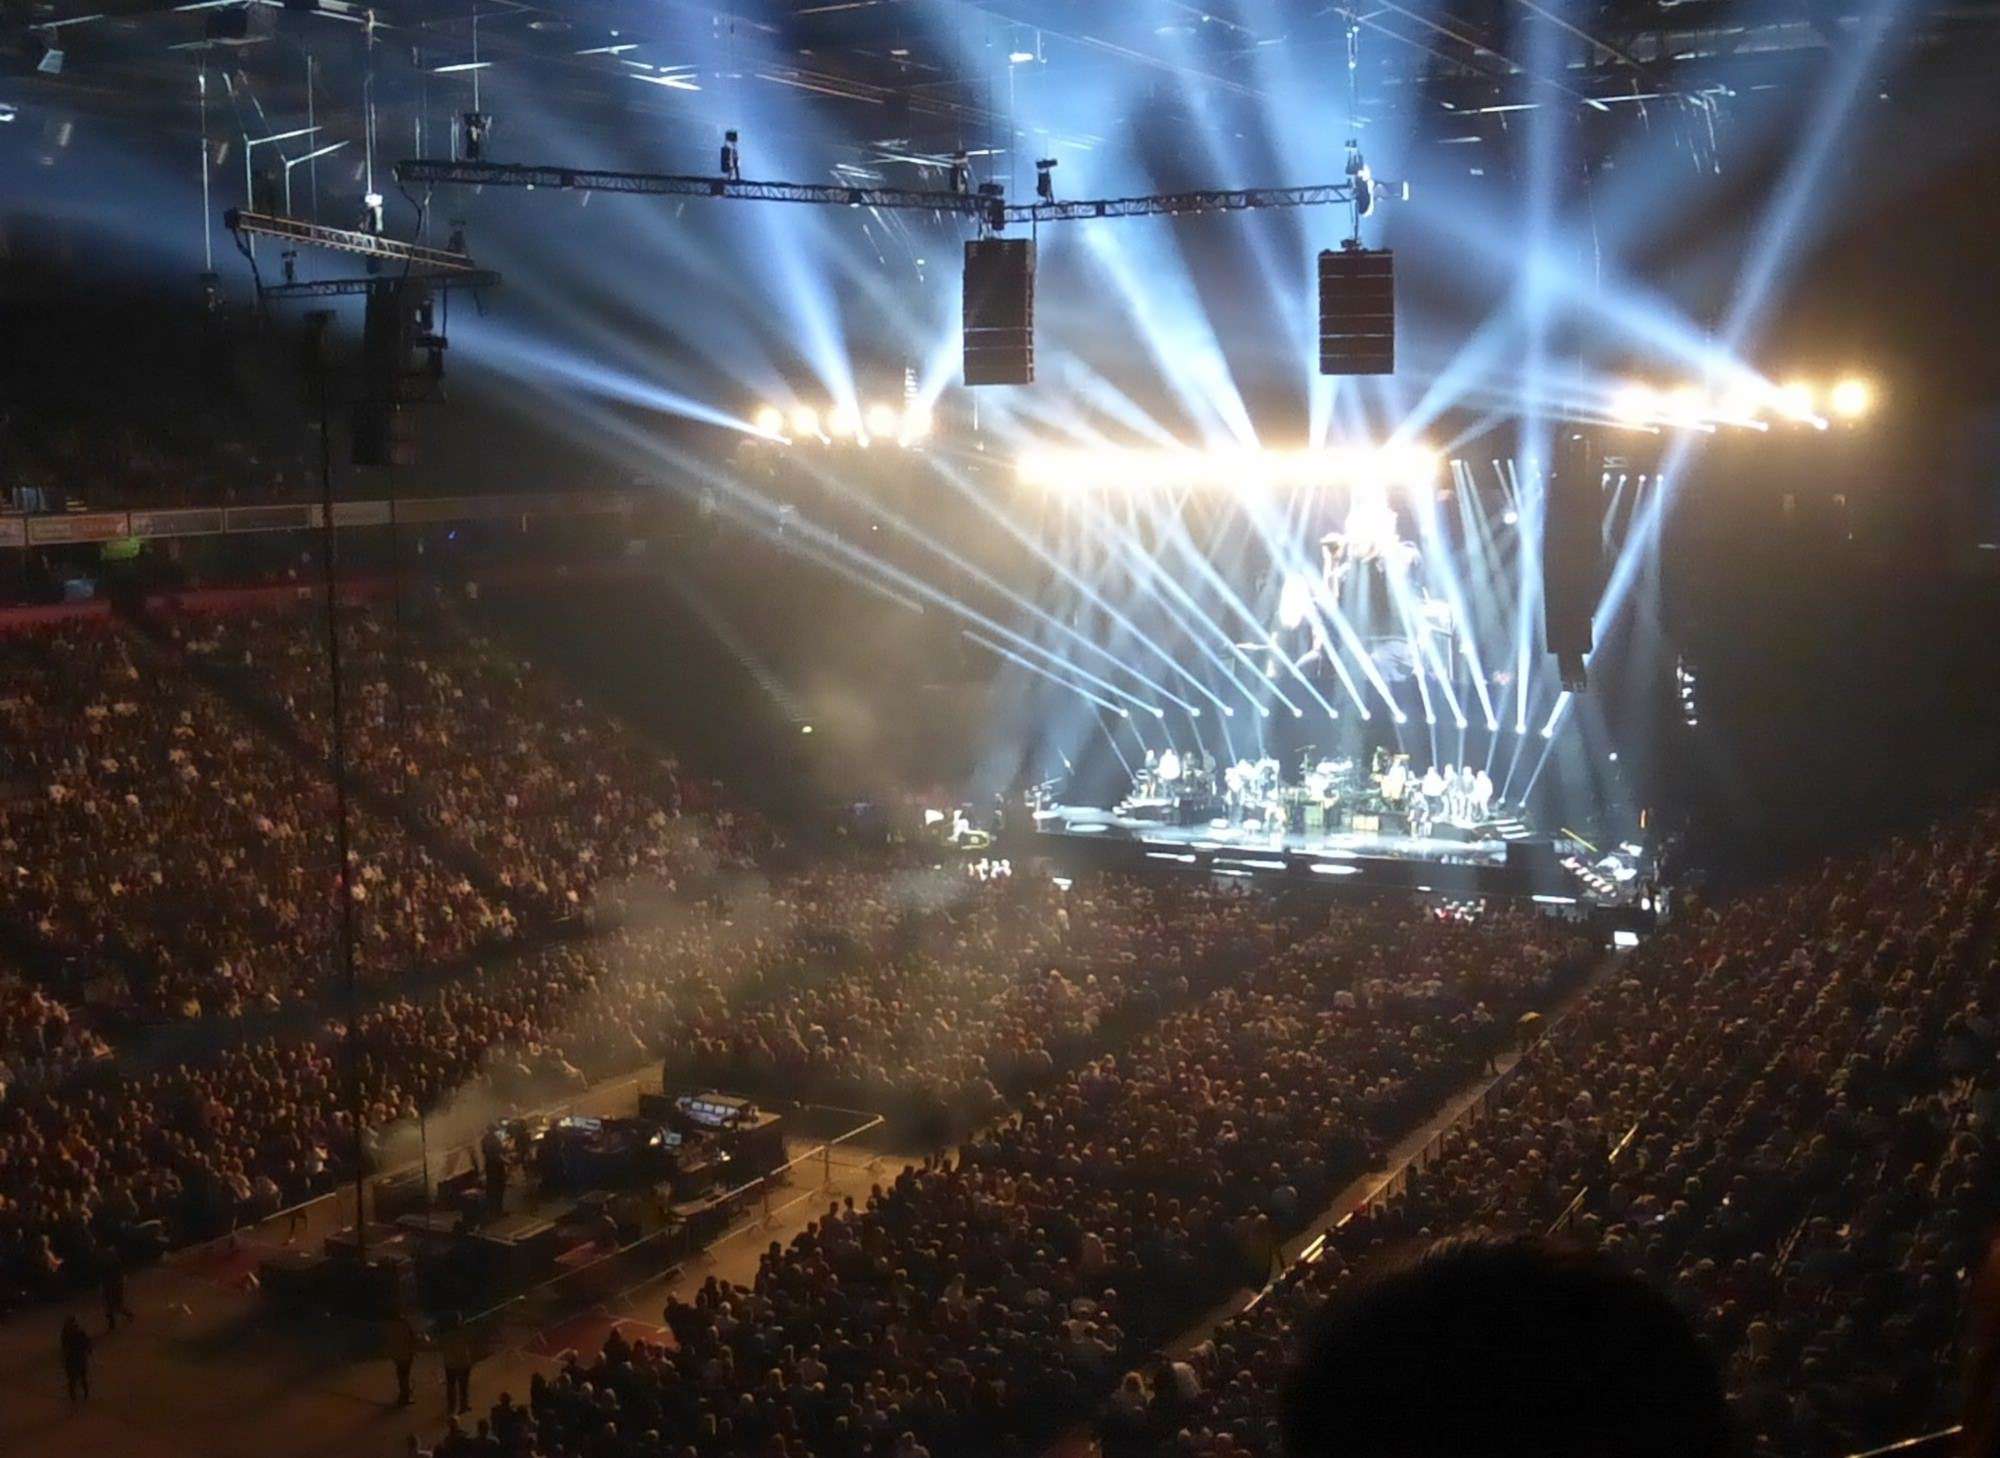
(1357,311)
(1572,552)
(999,311)
(396,327)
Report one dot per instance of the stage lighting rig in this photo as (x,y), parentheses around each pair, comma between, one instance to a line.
(880,423)
(961,173)
(732,156)
(1750,404)
(1045,179)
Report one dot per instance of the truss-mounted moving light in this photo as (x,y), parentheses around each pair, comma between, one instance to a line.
(844,425)
(1749,404)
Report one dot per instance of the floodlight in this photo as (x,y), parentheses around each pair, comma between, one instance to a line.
(841,422)
(805,421)
(1851,399)
(1796,400)
(770,421)
(882,420)
(916,422)
(1635,405)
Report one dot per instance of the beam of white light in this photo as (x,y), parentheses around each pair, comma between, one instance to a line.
(882,513)
(1784,233)
(1173,528)
(1012,657)
(972,493)
(1180,605)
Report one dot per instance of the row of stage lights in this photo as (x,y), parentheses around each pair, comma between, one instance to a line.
(904,426)
(1409,466)
(1756,406)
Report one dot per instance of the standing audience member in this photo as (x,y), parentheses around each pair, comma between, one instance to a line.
(76,1346)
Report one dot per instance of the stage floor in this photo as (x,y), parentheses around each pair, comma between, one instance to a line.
(1482,848)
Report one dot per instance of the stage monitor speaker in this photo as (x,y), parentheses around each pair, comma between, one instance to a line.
(1357,311)
(1572,552)
(999,311)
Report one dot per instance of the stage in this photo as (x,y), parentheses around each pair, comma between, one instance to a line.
(1498,857)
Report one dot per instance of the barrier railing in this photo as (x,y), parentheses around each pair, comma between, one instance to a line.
(1477,1111)
(1924,1445)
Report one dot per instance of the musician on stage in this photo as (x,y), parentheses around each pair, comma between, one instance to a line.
(1432,789)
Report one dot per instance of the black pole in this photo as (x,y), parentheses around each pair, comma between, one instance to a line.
(337,770)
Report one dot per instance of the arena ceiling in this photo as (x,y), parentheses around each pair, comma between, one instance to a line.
(902,79)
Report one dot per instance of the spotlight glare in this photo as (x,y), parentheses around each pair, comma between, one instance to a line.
(840,422)
(1795,400)
(1228,712)
(1686,405)
(1635,405)
(1511,517)
(770,421)
(805,421)
(881,420)
(916,423)
(1851,399)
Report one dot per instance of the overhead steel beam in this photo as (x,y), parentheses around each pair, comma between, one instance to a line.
(347,240)
(328,288)
(515,174)
(968,205)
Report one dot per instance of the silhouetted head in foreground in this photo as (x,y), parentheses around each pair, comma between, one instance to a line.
(1486,1348)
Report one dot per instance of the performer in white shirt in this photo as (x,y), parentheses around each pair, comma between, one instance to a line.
(1482,794)
(1433,789)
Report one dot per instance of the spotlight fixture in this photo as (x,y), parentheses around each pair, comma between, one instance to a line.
(1746,403)
(844,424)
(50,61)
(961,173)
(1851,399)
(732,156)
(1045,179)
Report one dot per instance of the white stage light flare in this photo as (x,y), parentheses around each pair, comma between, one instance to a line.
(881,420)
(805,421)
(770,421)
(840,422)
(1635,405)
(1851,399)
(1796,400)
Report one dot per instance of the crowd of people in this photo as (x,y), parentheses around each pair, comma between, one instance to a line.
(982,1299)
(167,831)
(1781,1112)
